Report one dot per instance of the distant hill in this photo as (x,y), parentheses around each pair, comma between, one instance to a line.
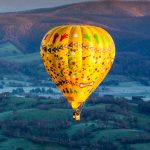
(127,22)
(8,49)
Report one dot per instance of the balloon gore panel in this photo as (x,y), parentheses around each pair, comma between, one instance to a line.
(77,57)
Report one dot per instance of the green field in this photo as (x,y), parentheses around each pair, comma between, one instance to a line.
(44,124)
(14,61)
(23,58)
(145,146)
(11,53)
(8,49)
(15,144)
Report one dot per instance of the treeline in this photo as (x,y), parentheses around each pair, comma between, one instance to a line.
(41,131)
(37,90)
(131,64)
(139,139)
(113,113)
(32,70)
(108,99)
(123,65)
(144,107)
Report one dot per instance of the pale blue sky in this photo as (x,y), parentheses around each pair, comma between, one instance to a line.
(19,5)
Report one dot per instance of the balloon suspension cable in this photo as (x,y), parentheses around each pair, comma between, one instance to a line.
(79,109)
(77,112)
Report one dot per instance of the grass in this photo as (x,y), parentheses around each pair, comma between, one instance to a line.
(5,115)
(11,53)
(143,119)
(8,49)
(19,103)
(30,114)
(144,146)
(78,126)
(100,106)
(24,58)
(114,134)
(26,110)
(15,143)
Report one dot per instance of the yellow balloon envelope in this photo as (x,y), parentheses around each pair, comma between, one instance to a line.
(77,57)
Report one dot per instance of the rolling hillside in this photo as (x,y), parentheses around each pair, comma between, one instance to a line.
(45,124)
(8,49)
(127,22)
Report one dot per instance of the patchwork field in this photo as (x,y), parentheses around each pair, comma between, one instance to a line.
(46,124)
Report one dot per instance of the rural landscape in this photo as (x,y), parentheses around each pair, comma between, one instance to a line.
(34,114)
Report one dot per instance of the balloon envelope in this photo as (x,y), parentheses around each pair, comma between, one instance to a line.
(77,57)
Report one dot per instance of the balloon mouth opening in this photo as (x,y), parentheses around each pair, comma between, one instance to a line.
(75,105)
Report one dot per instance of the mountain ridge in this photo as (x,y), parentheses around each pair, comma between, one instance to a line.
(137,8)
(18,27)
(130,31)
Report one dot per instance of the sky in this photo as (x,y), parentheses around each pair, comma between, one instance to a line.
(20,5)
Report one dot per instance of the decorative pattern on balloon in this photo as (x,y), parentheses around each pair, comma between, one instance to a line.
(77,61)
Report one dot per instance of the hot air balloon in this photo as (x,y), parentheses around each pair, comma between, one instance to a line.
(77,57)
